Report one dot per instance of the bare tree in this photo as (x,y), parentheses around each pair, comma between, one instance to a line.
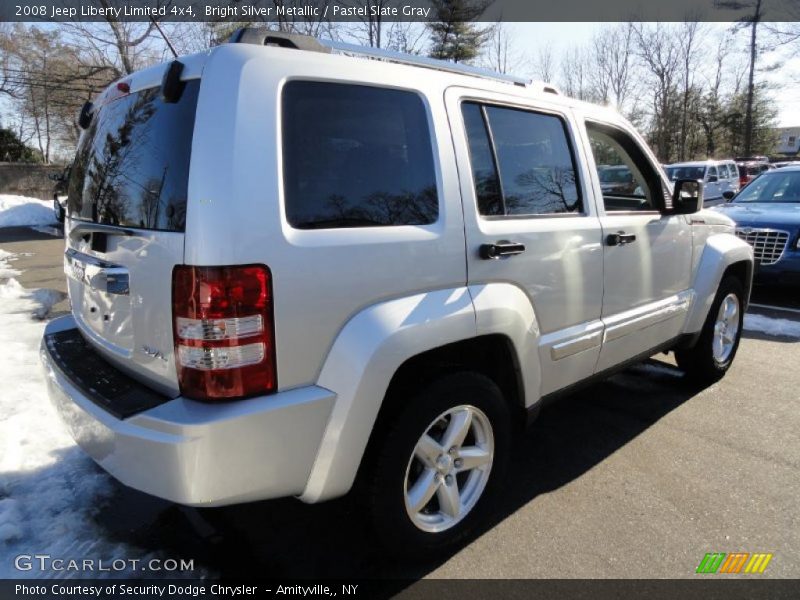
(656,47)
(576,78)
(688,34)
(544,67)
(501,53)
(612,72)
(752,21)
(407,36)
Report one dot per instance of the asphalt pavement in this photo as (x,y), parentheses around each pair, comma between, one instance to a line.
(638,476)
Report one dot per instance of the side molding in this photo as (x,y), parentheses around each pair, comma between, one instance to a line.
(720,251)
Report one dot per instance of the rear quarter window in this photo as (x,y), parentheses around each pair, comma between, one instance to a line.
(356,156)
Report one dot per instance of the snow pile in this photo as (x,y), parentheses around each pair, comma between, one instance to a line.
(772,326)
(48,487)
(21,210)
(6,270)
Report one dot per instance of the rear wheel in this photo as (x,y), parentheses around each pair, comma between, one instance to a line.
(711,357)
(440,465)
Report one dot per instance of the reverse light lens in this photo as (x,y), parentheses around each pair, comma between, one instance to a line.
(212,359)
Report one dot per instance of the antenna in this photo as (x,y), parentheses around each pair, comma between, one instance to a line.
(164,35)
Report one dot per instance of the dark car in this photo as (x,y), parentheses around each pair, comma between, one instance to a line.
(60,192)
(767,216)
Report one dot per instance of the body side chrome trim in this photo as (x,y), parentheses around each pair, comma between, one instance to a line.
(630,321)
(575,339)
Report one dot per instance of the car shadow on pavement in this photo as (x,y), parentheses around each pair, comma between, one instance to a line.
(27,234)
(286,539)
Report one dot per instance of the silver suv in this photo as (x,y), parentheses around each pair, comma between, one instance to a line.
(291,269)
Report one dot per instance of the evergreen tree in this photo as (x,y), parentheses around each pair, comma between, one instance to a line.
(453,34)
(12,149)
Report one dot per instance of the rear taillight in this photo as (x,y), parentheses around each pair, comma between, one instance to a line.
(223,331)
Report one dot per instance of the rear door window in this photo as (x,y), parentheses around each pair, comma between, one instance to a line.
(356,156)
(132,164)
(522,162)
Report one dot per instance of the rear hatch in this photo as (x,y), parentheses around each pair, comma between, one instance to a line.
(127,209)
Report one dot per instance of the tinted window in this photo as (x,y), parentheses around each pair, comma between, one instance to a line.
(533,159)
(675,173)
(132,165)
(712,172)
(356,156)
(484,169)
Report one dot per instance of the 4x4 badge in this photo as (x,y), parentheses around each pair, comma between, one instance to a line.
(153,352)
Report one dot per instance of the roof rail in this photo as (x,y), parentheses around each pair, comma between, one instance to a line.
(421,61)
(547,88)
(264,37)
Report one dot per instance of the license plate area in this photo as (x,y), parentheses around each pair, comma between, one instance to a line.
(100,295)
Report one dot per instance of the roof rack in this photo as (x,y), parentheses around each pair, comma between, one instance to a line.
(263,36)
(421,61)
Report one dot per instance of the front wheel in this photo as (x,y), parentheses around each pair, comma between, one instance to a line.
(711,357)
(440,465)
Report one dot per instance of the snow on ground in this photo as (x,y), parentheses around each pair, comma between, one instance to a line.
(21,210)
(49,489)
(772,326)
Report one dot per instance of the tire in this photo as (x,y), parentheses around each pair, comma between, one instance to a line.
(711,357)
(458,498)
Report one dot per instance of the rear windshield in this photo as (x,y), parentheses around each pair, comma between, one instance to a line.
(675,173)
(132,165)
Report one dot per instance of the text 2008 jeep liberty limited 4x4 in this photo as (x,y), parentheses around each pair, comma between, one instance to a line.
(297,264)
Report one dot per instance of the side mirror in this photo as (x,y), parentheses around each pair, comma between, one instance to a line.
(713,179)
(728,195)
(687,196)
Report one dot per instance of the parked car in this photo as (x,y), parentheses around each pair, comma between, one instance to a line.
(291,270)
(750,170)
(718,177)
(767,216)
(60,193)
(786,163)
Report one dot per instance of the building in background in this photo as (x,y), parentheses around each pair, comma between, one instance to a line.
(788,141)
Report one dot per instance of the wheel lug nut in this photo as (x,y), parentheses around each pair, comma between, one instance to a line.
(458,463)
(453,450)
(448,480)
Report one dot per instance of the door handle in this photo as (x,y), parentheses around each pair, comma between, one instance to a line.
(501,248)
(620,238)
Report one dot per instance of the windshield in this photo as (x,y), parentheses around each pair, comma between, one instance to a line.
(132,165)
(775,186)
(675,173)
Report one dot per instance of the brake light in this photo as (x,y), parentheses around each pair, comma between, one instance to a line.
(223,331)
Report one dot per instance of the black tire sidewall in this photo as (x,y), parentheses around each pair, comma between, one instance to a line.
(390,519)
(699,362)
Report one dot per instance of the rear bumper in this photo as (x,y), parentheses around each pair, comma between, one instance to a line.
(194,453)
